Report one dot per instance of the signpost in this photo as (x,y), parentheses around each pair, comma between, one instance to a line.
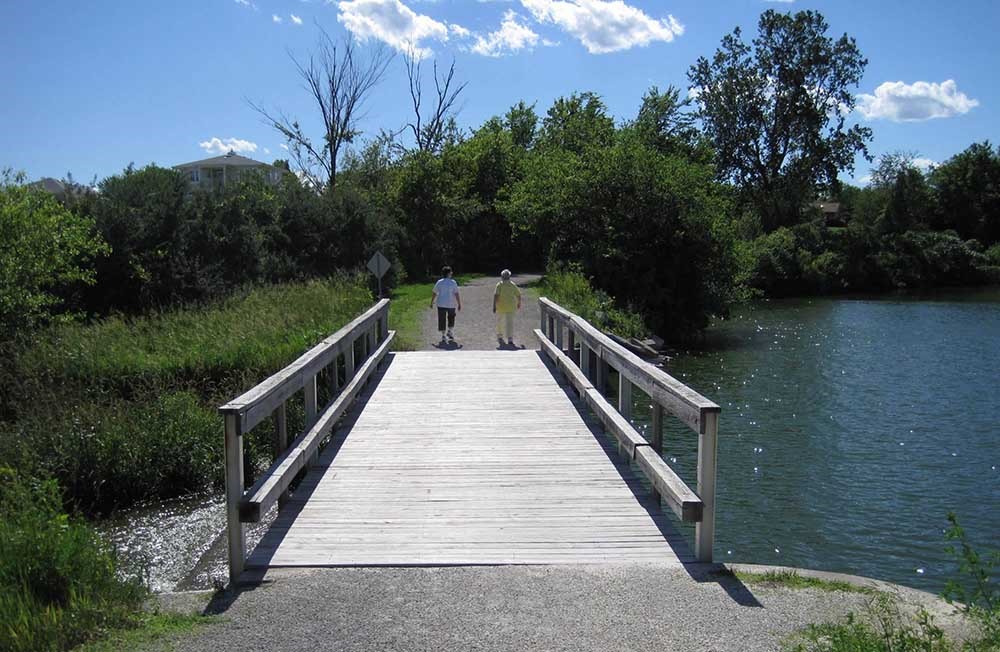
(379,265)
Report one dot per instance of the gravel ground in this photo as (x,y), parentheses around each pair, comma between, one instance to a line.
(475,325)
(577,608)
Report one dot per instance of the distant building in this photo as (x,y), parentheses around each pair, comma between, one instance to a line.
(61,190)
(214,173)
(831,213)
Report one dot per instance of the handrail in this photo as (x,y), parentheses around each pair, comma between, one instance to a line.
(667,393)
(363,343)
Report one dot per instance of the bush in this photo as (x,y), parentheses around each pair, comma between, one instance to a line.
(58,581)
(568,287)
(44,249)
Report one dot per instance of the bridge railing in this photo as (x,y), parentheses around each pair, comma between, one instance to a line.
(598,353)
(359,346)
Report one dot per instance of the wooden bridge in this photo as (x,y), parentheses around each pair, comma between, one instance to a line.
(467,457)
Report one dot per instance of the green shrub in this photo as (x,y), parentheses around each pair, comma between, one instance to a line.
(44,248)
(58,581)
(568,287)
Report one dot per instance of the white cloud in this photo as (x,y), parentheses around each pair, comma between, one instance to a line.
(246,3)
(392,22)
(459,31)
(604,25)
(284,146)
(276,18)
(915,102)
(924,163)
(511,37)
(295,19)
(219,146)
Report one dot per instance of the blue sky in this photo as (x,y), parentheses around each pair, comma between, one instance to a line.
(90,86)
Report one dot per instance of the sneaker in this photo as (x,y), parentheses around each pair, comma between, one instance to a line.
(451,336)
(510,342)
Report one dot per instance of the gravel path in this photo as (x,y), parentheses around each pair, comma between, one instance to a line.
(573,608)
(475,325)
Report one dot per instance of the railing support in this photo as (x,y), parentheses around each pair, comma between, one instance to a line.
(625,397)
(234,492)
(704,530)
(585,359)
(281,435)
(656,429)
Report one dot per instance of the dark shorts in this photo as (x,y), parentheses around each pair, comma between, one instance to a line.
(442,313)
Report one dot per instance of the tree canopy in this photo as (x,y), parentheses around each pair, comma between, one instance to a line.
(776,111)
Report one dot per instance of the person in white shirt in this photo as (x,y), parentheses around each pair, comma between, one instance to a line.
(448,301)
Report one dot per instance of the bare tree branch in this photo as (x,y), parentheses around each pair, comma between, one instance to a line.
(430,135)
(339,82)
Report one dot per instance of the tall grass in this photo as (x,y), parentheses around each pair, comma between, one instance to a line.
(124,410)
(58,580)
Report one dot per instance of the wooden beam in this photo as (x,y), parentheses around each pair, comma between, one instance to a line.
(704,531)
(678,496)
(234,493)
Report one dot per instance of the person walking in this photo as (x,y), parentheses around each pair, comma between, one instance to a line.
(448,301)
(506,302)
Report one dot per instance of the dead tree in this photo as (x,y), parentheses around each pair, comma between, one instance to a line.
(430,129)
(339,80)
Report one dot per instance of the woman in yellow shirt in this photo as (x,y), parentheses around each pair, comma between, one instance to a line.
(506,301)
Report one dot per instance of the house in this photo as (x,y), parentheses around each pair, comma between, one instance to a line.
(214,173)
(61,190)
(831,213)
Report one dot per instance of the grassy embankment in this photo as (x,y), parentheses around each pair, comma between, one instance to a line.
(105,415)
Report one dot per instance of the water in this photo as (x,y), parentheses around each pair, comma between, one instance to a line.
(849,429)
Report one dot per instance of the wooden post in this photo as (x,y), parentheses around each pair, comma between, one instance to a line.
(334,370)
(585,359)
(559,334)
(542,313)
(625,396)
(704,530)
(281,434)
(601,383)
(312,407)
(656,429)
(234,493)
(349,362)
(570,340)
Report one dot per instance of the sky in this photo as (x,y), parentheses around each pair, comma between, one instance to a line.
(90,86)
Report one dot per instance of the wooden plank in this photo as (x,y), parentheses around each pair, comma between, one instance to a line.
(678,496)
(269,487)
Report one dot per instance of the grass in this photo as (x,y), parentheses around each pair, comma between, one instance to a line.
(124,410)
(59,584)
(150,629)
(792,580)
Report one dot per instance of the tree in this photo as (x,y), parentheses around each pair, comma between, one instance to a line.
(662,122)
(776,111)
(339,81)
(907,196)
(967,189)
(577,123)
(431,129)
(521,120)
(44,248)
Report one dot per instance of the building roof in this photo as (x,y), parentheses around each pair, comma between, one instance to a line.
(232,159)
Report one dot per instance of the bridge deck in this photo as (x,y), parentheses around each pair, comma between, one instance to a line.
(469,457)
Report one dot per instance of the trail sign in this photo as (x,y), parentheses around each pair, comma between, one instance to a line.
(379,265)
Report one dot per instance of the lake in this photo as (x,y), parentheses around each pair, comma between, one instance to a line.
(849,429)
